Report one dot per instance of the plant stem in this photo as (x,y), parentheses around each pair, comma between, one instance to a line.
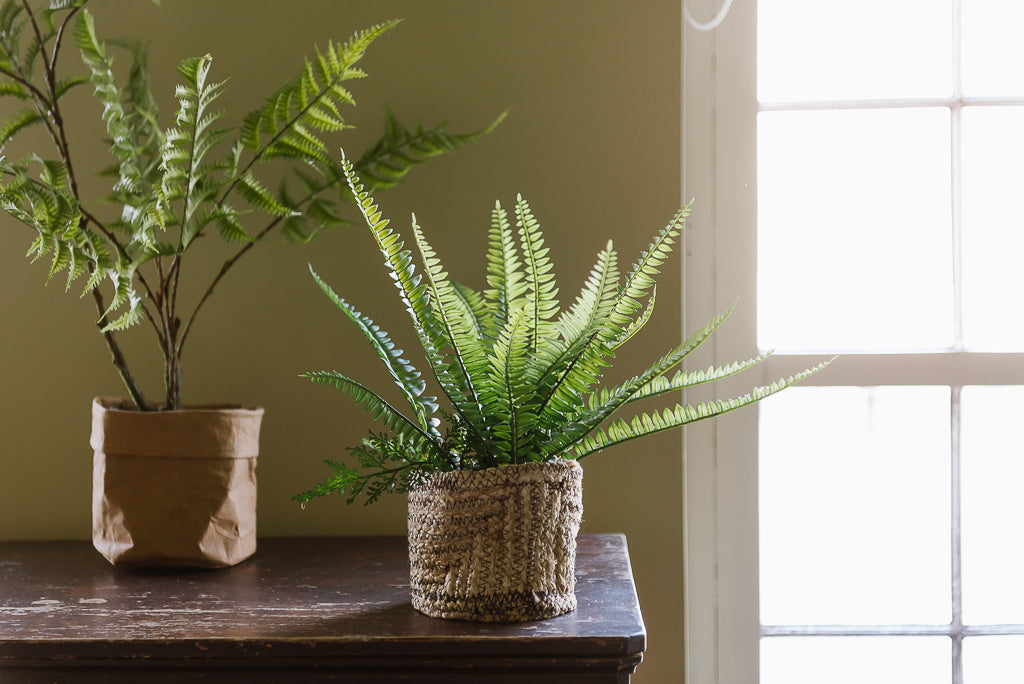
(52,112)
(117,357)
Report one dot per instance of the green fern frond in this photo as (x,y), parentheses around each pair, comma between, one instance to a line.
(228,225)
(645,424)
(377,407)
(512,390)
(257,195)
(17,123)
(405,375)
(505,277)
(399,150)
(184,176)
(93,281)
(594,303)
(641,276)
(607,400)
(604,402)
(412,290)
(540,276)
(124,295)
(682,379)
(387,464)
(61,257)
(105,87)
(310,101)
(458,325)
(13,89)
(479,314)
(525,384)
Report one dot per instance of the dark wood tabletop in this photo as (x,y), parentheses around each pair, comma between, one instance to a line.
(301,609)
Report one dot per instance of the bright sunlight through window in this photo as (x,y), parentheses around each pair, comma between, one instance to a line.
(890,134)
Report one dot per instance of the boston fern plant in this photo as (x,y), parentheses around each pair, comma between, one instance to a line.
(174,185)
(522,377)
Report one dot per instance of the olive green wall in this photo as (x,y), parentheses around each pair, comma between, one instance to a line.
(592,141)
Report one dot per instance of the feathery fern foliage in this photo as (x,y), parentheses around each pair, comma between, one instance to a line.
(522,376)
(177,183)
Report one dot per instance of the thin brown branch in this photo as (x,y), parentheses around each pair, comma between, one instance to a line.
(39,37)
(225,267)
(60,35)
(23,81)
(117,357)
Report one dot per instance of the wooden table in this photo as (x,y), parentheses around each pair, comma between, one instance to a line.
(299,610)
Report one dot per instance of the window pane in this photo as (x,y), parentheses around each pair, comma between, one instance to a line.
(994,659)
(856,50)
(993,241)
(993,473)
(854,506)
(992,48)
(854,230)
(856,660)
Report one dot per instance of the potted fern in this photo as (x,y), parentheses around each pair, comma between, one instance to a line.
(173,484)
(495,489)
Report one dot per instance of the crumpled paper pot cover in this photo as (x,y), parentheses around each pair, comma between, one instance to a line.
(174,488)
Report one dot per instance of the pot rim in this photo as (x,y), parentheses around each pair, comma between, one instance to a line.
(121,405)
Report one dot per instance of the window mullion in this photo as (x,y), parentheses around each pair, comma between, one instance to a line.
(956,537)
(956,176)
(956,471)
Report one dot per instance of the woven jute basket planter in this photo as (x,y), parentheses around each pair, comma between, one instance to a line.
(496,545)
(174,488)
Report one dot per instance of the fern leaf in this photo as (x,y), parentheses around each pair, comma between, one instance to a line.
(505,277)
(310,100)
(400,150)
(398,260)
(377,407)
(480,316)
(185,177)
(682,379)
(540,276)
(61,257)
(511,391)
(92,282)
(12,89)
(105,88)
(415,295)
(595,301)
(257,195)
(124,294)
(228,225)
(645,424)
(604,403)
(64,85)
(405,375)
(456,321)
(17,123)
(641,277)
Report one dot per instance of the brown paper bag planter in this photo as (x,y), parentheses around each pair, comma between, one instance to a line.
(496,545)
(174,488)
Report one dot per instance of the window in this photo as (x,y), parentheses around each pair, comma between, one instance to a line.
(861,161)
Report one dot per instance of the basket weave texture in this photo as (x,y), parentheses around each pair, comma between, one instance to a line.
(496,545)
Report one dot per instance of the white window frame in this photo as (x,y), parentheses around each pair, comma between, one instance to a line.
(722,627)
